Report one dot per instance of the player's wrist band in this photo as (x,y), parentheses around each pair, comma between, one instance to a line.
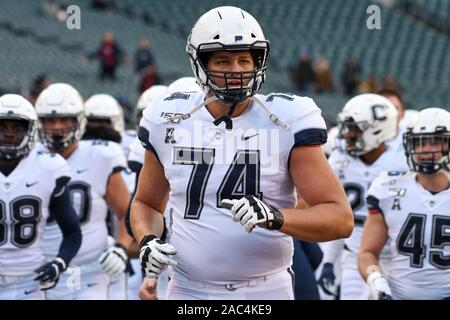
(146,239)
(277,221)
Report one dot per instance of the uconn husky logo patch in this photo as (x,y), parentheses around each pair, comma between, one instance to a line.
(170,137)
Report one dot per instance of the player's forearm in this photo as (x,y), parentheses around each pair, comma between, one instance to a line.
(145,220)
(122,237)
(365,260)
(323,222)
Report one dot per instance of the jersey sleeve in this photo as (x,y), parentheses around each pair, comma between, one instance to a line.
(146,130)
(137,152)
(308,126)
(377,193)
(113,156)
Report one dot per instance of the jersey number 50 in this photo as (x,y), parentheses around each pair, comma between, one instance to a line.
(242,177)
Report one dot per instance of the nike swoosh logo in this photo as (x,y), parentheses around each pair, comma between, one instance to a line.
(248,137)
(30,291)
(92,284)
(30,184)
(81,171)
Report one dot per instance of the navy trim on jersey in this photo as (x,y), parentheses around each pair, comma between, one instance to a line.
(136,167)
(373,205)
(309,137)
(144,137)
(61,209)
(118,169)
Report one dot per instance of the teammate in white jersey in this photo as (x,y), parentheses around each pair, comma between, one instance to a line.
(365,124)
(406,118)
(226,180)
(32,187)
(96,184)
(105,121)
(413,212)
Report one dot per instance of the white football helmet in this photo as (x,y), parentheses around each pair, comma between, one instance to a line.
(371,119)
(409,118)
(150,95)
(14,106)
(105,107)
(432,127)
(185,84)
(228,28)
(61,100)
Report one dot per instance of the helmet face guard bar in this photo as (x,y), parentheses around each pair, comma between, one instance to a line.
(427,153)
(25,146)
(233,95)
(349,125)
(54,138)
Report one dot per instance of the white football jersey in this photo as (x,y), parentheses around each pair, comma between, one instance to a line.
(205,163)
(25,195)
(396,142)
(356,177)
(127,139)
(91,165)
(418,225)
(137,152)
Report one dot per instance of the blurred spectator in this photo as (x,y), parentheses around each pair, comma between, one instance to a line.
(110,56)
(390,82)
(303,74)
(350,76)
(101,5)
(39,84)
(149,78)
(323,80)
(143,57)
(369,84)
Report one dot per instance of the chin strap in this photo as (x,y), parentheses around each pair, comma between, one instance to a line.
(272,116)
(227,117)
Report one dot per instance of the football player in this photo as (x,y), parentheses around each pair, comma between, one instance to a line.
(366,123)
(105,121)
(413,212)
(230,167)
(405,117)
(97,184)
(33,186)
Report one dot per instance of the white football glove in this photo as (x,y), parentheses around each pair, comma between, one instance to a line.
(155,255)
(250,211)
(378,286)
(114,260)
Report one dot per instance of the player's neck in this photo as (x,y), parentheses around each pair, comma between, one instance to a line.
(68,151)
(8,166)
(217,109)
(372,156)
(434,183)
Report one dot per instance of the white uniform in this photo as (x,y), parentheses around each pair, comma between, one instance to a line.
(24,200)
(204,164)
(91,164)
(118,287)
(128,137)
(418,225)
(356,177)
